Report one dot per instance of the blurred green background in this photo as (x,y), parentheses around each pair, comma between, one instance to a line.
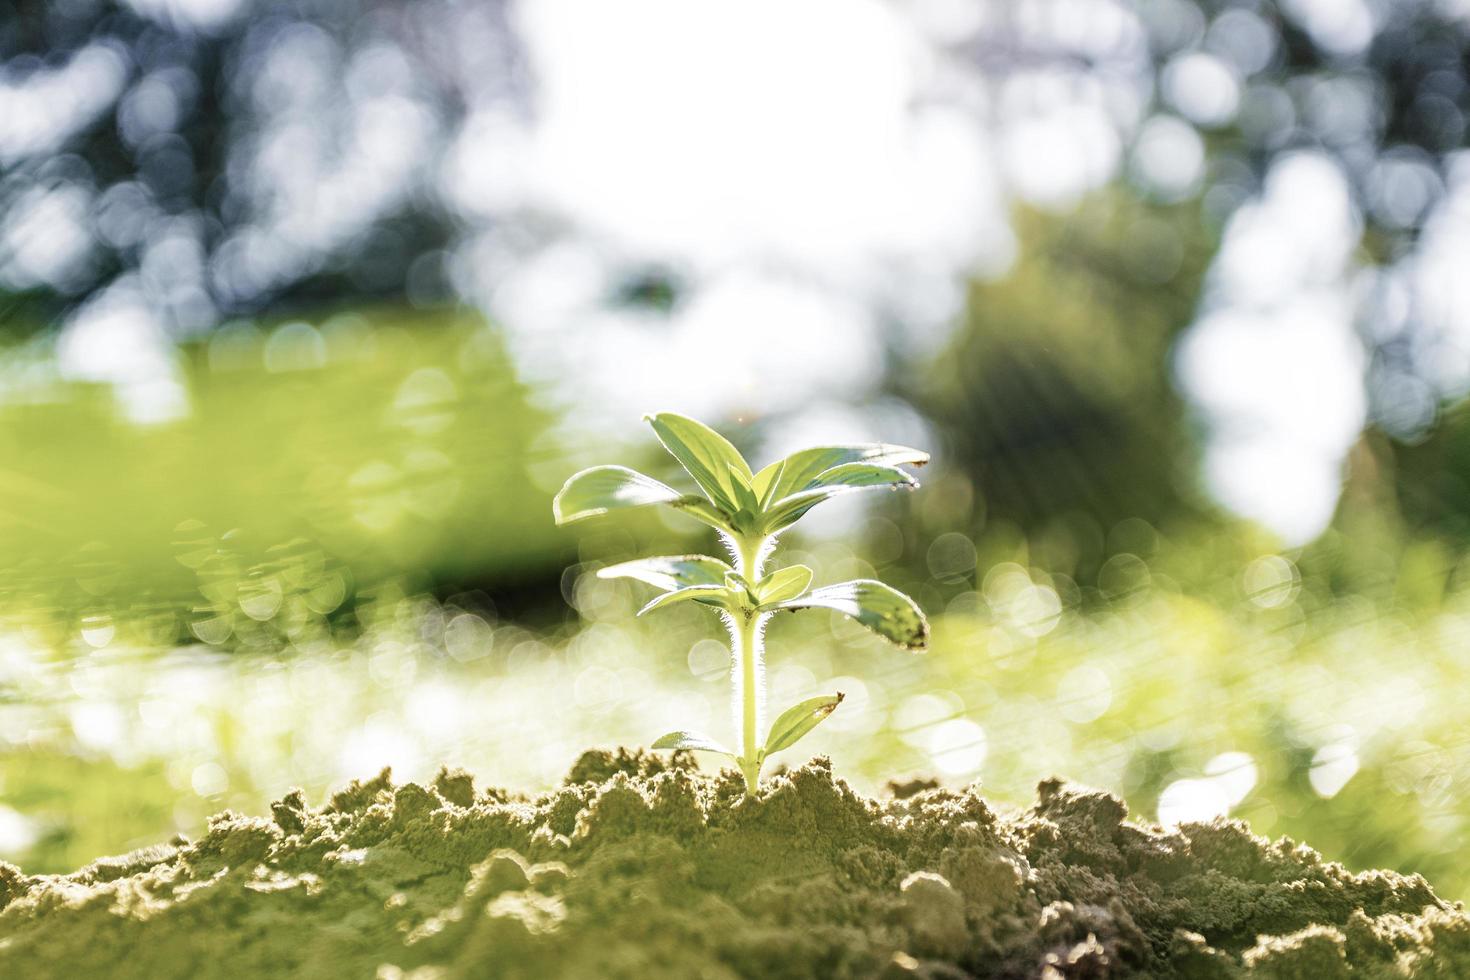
(300,338)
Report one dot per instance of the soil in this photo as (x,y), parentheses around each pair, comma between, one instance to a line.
(642,867)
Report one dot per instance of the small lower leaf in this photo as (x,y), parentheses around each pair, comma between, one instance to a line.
(784,584)
(799,719)
(691,740)
(713,595)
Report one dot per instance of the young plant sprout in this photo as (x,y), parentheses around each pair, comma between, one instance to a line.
(749,510)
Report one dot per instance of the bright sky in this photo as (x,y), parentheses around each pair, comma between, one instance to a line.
(1274,361)
(818,192)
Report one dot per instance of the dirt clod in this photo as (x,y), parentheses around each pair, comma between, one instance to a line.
(935,915)
(641,867)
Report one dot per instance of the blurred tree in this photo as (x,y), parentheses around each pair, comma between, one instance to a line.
(1055,394)
(1057,418)
(230,164)
(1430,478)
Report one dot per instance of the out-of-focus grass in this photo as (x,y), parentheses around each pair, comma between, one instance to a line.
(309,461)
(66,810)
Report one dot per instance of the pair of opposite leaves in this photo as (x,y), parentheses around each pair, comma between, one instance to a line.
(743,505)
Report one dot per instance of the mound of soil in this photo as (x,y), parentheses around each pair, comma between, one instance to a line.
(641,867)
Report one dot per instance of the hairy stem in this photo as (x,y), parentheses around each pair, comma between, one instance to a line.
(748,663)
(746,632)
(749,557)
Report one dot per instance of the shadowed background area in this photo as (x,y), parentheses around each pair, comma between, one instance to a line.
(308,308)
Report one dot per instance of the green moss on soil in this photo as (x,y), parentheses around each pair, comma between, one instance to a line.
(641,867)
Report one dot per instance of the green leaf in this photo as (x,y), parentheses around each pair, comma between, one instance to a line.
(859,475)
(782,584)
(881,608)
(838,479)
(799,719)
(596,491)
(691,740)
(797,471)
(764,483)
(710,595)
(603,488)
(750,505)
(670,572)
(715,464)
(736,585)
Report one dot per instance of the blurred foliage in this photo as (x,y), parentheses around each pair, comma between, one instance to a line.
(79,809)
(1055,395)
(180,145)
(1431,477)
(311,462)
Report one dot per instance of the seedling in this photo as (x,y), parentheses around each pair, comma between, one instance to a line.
(749,510)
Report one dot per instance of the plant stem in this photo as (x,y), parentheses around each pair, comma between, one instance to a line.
(747,642)
(746,633)
(748,559)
